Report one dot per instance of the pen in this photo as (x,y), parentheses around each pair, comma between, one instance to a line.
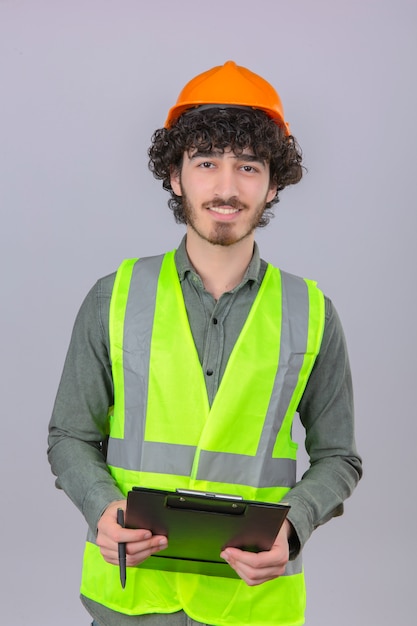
(122,550)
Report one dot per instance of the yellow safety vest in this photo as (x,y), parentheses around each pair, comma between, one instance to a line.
(164,434)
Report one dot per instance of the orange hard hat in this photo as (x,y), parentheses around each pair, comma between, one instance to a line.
(229,85)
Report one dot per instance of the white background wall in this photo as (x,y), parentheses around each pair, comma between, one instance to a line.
(83,84)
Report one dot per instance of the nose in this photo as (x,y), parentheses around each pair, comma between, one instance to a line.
(226,185)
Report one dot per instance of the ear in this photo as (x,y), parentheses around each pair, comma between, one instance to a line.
(271,193)
(175,180)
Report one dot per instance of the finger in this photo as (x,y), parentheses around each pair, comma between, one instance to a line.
(255,568)
(136,552)
(129,535)
(252,559)
(138,557)
(278,555)
(254,576)
(110,536)
(154,544)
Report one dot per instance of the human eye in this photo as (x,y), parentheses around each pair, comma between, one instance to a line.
(205,165)
(249,168)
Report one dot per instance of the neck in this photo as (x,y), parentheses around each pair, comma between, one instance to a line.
(221,268)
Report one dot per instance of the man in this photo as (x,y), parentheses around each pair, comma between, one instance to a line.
(186,370)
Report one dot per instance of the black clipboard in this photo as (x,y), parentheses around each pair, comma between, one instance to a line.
(200,525)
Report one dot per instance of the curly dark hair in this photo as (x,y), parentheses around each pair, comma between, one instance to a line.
(218,129)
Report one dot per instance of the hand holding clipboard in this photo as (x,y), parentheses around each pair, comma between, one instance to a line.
(200,525)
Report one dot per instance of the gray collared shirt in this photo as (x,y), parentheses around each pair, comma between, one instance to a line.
(216,324)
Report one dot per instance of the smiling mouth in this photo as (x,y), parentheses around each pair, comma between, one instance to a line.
(223,211)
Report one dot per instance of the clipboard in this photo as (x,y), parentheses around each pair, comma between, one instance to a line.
(200,525)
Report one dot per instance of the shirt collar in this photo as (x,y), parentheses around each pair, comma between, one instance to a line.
(184,266)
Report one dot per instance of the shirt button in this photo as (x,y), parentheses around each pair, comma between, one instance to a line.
(209,372)
(214,320)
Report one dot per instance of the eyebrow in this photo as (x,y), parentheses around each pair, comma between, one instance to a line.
(251,158)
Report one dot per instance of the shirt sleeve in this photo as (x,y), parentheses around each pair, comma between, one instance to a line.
(327,413)
(79,423)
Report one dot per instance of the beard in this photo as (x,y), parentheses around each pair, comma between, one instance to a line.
(222,233)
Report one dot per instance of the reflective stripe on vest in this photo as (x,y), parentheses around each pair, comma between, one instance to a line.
(284,302)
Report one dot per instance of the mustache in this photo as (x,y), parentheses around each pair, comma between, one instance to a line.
(232,202)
